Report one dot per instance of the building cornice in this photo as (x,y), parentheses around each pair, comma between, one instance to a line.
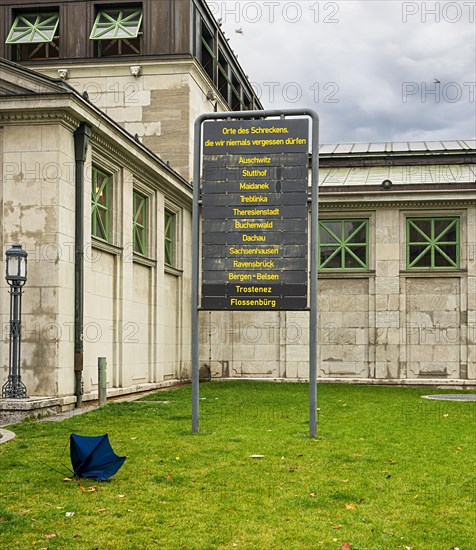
(325,204)
(157,180)
(40,117)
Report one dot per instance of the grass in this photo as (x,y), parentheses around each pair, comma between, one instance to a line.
(388,470)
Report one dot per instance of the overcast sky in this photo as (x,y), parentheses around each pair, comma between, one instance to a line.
(368,67)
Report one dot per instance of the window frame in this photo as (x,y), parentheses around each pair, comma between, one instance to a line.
(170,223)
(36,28)
(432,243)
(115,24)
(140,230)
(130,44)
(342,245)
(35,49)
(96,207)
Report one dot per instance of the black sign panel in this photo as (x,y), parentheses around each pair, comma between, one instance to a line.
(254,215)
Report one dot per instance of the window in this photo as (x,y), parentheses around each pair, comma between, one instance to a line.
(33,36)
(117,31)
(235,101)
(223,78)
(169,238)
(139,223)
(433,243)
(343,244)
(100,205)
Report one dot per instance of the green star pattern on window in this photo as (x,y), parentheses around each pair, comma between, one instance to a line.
(116,24)
(33,28)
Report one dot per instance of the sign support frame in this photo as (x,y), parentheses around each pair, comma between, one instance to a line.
(313,256)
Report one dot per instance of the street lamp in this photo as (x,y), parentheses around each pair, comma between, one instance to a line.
(16,278)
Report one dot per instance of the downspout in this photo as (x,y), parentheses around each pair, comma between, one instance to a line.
(81,143)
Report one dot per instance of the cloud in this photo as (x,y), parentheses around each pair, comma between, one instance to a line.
(367,67)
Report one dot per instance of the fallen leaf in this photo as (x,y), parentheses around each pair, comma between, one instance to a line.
(459,449)
(121,496)
(69,514)
(362,500)
(51,536)
(101,510)
(68,479)
(357,456)
(350,506)
(256,456)
(313,494)
(345,480)
(345,546)
(168,478)
(133,438)
(446,415)
(337,527)
(392,461)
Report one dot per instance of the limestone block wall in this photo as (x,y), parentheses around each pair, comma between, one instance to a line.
(37,211)
(133,304)
(128,298)
(434,344)
(100,319)
(344,327)
(159,106)
(385,323)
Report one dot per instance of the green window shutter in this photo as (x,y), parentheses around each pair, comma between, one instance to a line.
(169,238)
(33,28)
(433,243)
(139,223)
(344,244)
(117,24)
(100,212)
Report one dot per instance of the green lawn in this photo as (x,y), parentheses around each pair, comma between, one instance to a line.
(388,470)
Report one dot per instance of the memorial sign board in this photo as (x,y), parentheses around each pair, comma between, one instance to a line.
(255,215)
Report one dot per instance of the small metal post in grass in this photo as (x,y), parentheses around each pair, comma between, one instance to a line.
(102,380)
(16,263)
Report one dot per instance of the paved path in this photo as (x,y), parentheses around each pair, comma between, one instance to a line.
(452,396)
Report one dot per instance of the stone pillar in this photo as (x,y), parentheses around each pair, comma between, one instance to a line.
(387,294)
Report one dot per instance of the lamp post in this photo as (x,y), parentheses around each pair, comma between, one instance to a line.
(16,277)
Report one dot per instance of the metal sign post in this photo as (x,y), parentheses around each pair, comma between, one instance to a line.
(255,218)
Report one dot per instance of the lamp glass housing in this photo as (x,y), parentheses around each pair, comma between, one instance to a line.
(16,265)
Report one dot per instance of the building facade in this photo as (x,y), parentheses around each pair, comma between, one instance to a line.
(136,237)
(397,273)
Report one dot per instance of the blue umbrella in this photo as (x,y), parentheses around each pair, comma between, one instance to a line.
(93,457)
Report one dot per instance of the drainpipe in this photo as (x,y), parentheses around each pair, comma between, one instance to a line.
(81,143)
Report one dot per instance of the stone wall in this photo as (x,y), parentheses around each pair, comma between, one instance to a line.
(385,324)
(129,300)
(159,106)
